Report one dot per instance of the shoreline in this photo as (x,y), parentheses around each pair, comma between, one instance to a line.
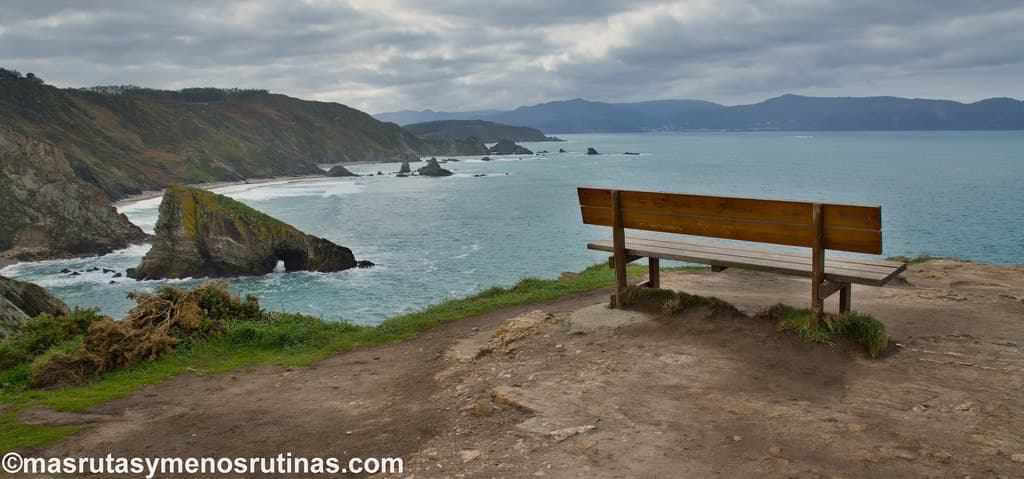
(209,185)
(150,194)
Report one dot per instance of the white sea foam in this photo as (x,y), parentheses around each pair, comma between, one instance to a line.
(296,188)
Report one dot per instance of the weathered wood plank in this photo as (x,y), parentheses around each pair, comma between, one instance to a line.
(817,265)
(654,272)
(798,257)
(619,250)
(770,210)
(854,240)
(832,273)
(739,248)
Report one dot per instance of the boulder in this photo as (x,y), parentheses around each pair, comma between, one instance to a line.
(405,168)
(20,301)
(340,171)
(592,151)
(203,234)
(508,147)
(433,168)
(562,150)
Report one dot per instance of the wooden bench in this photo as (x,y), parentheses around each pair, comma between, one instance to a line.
(819,226)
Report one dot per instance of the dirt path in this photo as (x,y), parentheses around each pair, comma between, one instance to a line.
(577,390)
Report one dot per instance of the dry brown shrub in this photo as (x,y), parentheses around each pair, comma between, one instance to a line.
(150,330)
(66,369)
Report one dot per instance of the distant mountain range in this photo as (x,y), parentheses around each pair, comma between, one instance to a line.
(486,131)
(787,112)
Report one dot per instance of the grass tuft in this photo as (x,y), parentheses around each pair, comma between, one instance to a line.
(924,257)
(862,329)
(671,302)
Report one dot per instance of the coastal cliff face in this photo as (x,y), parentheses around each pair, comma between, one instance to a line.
(20,301)
(203,234)
(47,211)
(126,140)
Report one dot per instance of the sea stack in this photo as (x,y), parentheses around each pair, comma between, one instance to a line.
(405,168)
(203,234)
(433,168)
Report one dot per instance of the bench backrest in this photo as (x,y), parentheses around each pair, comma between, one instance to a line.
(855,228)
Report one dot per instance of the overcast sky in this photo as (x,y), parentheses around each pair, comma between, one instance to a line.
(383,55)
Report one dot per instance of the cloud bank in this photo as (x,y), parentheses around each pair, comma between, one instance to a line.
(381,55)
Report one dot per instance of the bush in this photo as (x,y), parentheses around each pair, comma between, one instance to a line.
(42,332)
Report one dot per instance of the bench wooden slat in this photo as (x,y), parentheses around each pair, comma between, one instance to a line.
(742,247)
(854,240)
(780,211)
(800,257)
(833,271)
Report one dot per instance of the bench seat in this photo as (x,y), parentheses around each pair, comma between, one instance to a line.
(838,268)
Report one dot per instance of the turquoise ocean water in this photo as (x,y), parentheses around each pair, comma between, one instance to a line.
(943,193)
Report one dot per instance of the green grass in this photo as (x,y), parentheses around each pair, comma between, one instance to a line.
(18,434)
(862,329)
(288,339)
(913,260)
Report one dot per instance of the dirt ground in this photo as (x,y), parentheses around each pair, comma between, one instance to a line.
(569,388)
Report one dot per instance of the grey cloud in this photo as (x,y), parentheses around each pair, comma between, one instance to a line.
(462,54)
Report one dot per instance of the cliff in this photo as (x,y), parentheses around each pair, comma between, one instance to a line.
(47,210)
(20,301)
(128,139)
(200,234)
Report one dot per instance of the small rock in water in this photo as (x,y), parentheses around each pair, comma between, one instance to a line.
(75,273)
(364,264)
(117,275)
(592,151)
(65,271)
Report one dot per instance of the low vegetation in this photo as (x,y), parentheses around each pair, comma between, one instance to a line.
(862,329)
(672,302)
(205,330)
(913,260)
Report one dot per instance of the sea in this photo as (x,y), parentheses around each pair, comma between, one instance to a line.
(958,194)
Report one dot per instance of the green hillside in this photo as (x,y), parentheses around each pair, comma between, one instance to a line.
(129,139)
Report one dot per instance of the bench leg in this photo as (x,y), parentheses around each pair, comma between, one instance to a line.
(653,273)
(845,295)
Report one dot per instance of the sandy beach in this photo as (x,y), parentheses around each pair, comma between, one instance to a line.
(149,194)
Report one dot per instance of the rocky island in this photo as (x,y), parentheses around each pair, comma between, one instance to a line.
(509,147)
(433,168)
(203,234)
